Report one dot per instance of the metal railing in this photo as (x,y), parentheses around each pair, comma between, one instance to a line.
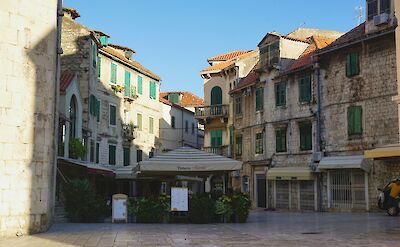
(222,150)
(212,111)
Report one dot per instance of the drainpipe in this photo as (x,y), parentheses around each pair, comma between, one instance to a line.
(318,146)
(56,100)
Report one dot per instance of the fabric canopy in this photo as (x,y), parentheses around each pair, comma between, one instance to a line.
(388,151)
(344,162)
(91,167)
(188,160)
(290,173)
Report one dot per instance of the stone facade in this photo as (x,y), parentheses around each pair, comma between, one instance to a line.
(27,115)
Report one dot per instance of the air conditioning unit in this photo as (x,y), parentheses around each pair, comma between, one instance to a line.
(381,19)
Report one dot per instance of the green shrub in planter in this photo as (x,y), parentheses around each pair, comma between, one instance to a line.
(223,208)
(241,205)
(81,202)
(76,148)
(150,209)
(201,209)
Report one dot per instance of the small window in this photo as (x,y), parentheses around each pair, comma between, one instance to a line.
(238,145)
(113,78)
(127,156)
(354,120)
(139,122)
(238,105)
(259,143)
(111,154)
(151,125)
(305,129)
(140,85)
(139,155)
(352,64)
(186,126)
(280,94)
(193,126)
(97,152)
(280,135)
(173,122)
(174,98)
(372,6)
(305,89)
(259,99)
(384,6)
(113,115)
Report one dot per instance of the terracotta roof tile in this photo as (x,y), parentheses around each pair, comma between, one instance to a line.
(228,56)
(114,52)
(188,98)
(66,78)
(121,47)
(316,43)
(247,81)
(227,64)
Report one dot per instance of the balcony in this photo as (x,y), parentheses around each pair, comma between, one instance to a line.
(222,150)
(213,111)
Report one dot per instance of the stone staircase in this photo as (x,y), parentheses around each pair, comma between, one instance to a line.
(60,215)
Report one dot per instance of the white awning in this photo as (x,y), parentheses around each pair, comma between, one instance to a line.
(344,162)
(188,160)
(290,173)
(125,172)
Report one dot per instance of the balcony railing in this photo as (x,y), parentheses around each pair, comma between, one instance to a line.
(222,150)
(212,111)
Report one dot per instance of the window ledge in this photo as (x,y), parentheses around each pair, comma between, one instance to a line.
(281,153)
(281,107)
(355,137)
(260,111)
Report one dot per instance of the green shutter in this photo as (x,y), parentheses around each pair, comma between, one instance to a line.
(97,152)
(94,54)
(113,78)
(127,156)
(152,90)
(113,115)
(280,94)
(354,120)
(111,154)
(139,121)
(355,64)
(259,99)
(305,136)
(104,40)
(305,89)
(98,66)
(140,85)
(127,89)
(216,96)
(216,138)
(92,104)
(281,140)
(97,110)
(348,65)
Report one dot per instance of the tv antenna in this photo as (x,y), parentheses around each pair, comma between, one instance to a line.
(359,13)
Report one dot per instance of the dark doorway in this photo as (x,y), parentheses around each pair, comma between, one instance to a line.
(261,191)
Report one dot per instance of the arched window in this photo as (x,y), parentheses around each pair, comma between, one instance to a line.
(216,96)
(72,117)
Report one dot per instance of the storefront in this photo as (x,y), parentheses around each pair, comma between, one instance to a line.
(292,188)
(346,182)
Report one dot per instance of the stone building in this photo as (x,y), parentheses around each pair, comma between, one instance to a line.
(358,83)
(28,115)
(117,117)
(178,127)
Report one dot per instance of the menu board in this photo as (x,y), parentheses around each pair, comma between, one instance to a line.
(119,209)
(179,199)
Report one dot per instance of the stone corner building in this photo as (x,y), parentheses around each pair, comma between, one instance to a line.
(28,75)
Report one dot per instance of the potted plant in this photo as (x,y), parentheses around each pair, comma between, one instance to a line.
(241,206)
(117,88)
(223,208)
(76,148)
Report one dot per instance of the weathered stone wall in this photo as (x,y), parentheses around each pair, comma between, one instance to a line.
(27,112)
(372,89)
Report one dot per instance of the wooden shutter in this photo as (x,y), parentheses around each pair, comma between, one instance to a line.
(140,85)
(355,64)
(358,120)
(98,66)
(97,152)
(113,115)
(348,65)
(216,96)
(113,73)
(305,136)
(97,110)
(139,121)
(92,104)
(127,156)
(305,89)
(111,154)
(127,89)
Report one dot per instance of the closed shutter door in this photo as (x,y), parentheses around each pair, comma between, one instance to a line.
(282,194)
(127,89)
(307,200)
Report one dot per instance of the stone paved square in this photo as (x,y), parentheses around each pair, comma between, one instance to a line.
(263,229)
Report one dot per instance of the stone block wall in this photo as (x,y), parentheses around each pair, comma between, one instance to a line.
(27,114)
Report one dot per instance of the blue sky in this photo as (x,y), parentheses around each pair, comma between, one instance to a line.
(174,38)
